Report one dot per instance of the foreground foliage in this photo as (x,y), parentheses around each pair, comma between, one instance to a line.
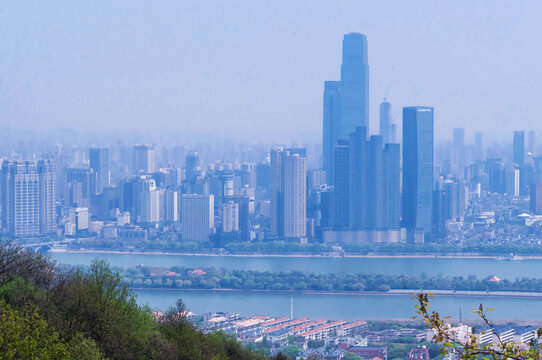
(470,347)
(50,314)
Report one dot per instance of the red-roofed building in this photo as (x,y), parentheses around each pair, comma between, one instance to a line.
(367,352)
(320,332)
(356,328)
(274,322)
(197,272)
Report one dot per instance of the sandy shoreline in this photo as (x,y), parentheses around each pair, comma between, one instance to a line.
(257,255)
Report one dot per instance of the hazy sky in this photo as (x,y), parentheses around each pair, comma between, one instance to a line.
(254,70)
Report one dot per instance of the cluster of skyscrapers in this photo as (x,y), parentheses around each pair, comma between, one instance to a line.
(371,187)
(365,171)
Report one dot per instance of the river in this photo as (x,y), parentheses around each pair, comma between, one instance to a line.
(338,306)
(330,306)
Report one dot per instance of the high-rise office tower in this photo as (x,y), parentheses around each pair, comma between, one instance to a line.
(28,198)
(149,203)
(519,161)
(459,137)
(532,143)
(288,193)
(192,165)
(366,201)
(385,122)
(230,216)
(394,139)
(354,84)
(316,178)
(342,187)
(79,184)
(243,210)
(478,146)
(359,168)
(392,171)
(99,162)
(497,175)
(458,153)
(58,160)
(346,102)
(449,203)
(519,148)
(513,181)
(143,159)
(170,206)
(536,198)
(221,186)
(197,216)
(374,183)
(418,146)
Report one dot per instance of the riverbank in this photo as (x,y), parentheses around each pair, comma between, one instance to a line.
(260,255)
(409,293)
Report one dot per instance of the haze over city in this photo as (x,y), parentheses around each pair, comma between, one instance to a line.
(270,180)
(254,71)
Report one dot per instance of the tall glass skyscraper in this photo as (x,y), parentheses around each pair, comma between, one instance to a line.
(385,122)
(519,147)
(99,162)
(346,102)
(418,125)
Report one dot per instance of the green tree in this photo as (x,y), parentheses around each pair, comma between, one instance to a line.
(99,304)
(291,351)
(25,335)
(351,356)
(82,348)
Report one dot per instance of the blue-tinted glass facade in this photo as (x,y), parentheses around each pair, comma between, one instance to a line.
(346,102)
(418,125)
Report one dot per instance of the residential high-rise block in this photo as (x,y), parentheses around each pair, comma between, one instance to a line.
(99,162)
(197,216)
(346,102)
(288,193)
(143,159)
(418,124)
(47,194)
(28,198)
